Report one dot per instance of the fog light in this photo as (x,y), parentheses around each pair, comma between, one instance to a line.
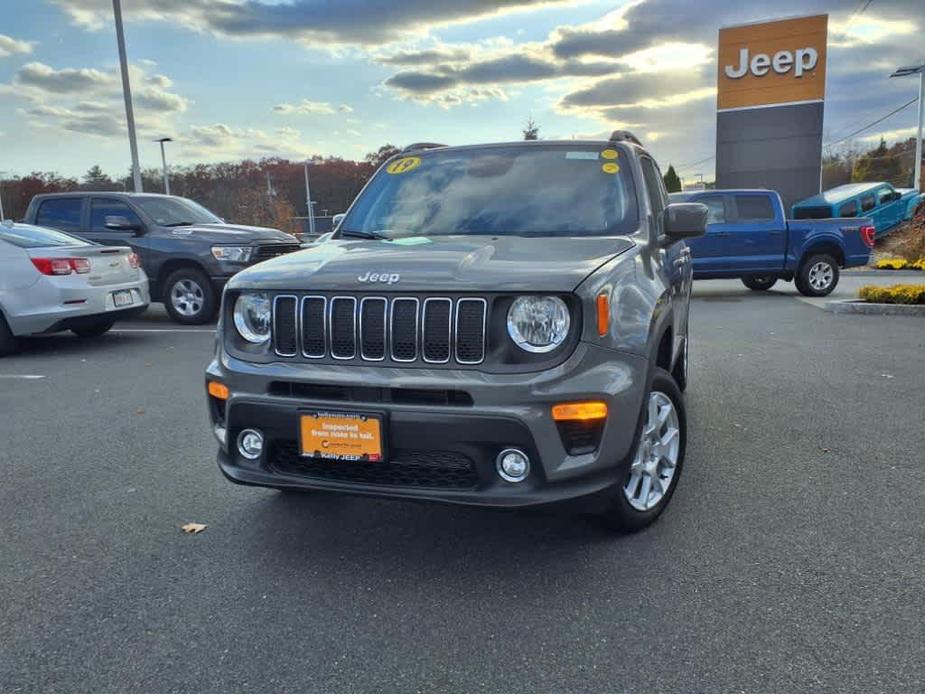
(513,465)
(250,444)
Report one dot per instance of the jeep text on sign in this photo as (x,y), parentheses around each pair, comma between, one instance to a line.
(771,63)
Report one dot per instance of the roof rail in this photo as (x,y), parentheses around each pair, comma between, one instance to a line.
(624,136)
(421,145)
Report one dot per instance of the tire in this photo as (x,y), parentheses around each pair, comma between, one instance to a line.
(8,342)
(759,283)
(818,275)
(189,297)
(93,329)
(632,508)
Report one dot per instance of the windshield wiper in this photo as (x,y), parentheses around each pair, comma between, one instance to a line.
(356,234)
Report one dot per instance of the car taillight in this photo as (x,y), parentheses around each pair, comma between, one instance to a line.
(133,260)
(61,266)
(867,235)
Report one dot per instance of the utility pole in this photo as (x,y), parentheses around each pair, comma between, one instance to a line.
(920,71)
(309,203)
(127,93)
(164,164)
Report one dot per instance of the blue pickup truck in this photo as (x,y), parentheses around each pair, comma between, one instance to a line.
(749,237)
(887,206)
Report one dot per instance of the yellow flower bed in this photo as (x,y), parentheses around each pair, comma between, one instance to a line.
(894,294)
(899,264)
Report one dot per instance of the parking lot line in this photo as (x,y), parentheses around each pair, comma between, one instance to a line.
(23,377)
(160,330)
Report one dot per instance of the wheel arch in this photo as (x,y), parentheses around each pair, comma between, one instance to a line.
(170,266)
(827,246)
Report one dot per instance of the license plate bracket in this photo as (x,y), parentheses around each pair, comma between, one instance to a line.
(336,435)
(122,298)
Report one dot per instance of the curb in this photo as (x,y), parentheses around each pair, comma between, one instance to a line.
(873,272)
(857,306)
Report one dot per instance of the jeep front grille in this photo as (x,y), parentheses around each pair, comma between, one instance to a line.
(403,329)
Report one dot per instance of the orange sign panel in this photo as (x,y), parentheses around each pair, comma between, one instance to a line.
(771,63)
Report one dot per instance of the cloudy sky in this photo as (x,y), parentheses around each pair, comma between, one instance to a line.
(229,79)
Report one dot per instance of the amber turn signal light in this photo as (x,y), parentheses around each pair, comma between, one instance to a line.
(580,411)
(218,390)
(603,315)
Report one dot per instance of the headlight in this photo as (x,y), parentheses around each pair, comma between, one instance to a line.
(252,317)
(232,254)
(538,323)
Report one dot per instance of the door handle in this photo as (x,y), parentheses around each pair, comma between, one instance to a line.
(717,234)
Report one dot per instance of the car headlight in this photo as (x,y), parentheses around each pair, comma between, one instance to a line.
(252,317)
(538,323)
(232,254)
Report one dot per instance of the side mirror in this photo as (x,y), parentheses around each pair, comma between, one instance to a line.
(120,223)
(337,219)
(684,220)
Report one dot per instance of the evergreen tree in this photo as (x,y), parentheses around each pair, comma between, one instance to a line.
(531,130)
(96,179)
(672,182)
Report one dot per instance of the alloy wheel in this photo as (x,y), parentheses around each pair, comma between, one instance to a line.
(656,458)
(187,297)
(821,276)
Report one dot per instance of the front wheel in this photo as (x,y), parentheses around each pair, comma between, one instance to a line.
(655,465)
(93,329)
(189,297)
(818,275)
(759,283)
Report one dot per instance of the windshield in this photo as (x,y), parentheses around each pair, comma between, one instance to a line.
(533,190)
(174,212)
(26,236)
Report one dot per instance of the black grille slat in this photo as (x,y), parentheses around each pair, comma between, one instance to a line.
(313,326)
(405,468)
(343,327)
(284,326)
(436,320)
(274,250)
(404,329)
(470,331)
(372,328)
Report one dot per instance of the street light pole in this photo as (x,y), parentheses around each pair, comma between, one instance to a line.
(164,164)
(127,93)
(920,71)
(308,203)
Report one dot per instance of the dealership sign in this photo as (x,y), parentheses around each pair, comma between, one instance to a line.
(772,63)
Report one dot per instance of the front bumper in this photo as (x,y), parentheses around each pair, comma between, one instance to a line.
(500,412)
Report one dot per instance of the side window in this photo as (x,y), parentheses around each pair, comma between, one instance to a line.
(868,202)
(100,208)
(654,186)
(755,208)
(716,207)
(60,213)
(849,209)
(884,196)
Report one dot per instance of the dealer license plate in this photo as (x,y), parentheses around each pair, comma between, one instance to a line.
(342,436)
(122,298)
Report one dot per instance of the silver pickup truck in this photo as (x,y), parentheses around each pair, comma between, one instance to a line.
(499,325)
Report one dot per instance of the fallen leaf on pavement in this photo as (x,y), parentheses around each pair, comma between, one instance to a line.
(194,528)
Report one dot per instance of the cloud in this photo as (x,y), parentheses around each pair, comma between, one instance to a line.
(306,106)
(66,80)
(9,46)
(217,141)
(358,22)
(87,118)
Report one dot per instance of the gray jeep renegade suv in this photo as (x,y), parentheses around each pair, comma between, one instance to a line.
(498,325)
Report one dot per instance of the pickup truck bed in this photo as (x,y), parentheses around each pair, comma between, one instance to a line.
(749,237)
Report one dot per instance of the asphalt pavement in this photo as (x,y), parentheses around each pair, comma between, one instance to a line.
(791,559)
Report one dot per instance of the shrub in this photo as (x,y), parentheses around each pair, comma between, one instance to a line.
(891,264)
(894,294)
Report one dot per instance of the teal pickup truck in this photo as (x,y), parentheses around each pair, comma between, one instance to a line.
(885,205)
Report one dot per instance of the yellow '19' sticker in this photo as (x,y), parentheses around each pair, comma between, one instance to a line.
(610,167)
(609,154)
(403,165)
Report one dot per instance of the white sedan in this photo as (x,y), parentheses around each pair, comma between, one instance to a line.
(51,281)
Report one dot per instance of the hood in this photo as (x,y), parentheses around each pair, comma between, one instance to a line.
(441,264)
(907,192)
(232,233)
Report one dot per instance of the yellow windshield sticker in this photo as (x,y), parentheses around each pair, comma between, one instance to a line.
(403,165)
(610,167)
(609,154)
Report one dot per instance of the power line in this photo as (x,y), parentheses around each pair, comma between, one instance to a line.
(702,161)
(870,125)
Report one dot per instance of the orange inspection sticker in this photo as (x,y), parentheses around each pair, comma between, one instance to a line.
(403,165)
(609,154)
(610,167)
(342,436)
